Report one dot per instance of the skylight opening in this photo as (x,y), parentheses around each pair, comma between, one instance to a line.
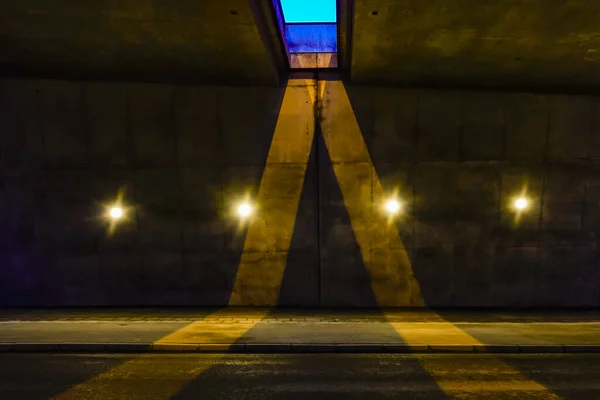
(309,29)
(309,11)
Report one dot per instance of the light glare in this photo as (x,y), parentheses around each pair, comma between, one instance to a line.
(115,213)
(244,210)
(521,203)
(392,206)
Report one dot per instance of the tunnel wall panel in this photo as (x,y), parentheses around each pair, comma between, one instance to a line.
(183,156)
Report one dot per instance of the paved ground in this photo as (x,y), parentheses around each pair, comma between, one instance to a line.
(262,326)
(294,315)
(318,376)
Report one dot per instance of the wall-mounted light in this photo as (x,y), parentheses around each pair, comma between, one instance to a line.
(393,206)
(521,203)
(244,210)
(115,213)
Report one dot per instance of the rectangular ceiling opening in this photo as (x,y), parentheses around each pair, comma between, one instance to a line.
(310,32)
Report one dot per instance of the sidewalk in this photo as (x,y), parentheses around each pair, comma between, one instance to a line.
(264,330)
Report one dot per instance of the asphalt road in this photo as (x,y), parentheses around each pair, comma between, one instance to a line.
(302,376)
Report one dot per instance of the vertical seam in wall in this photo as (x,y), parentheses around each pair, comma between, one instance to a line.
(460,161)
(591,130)
(175,128)
(460,128)
(10,200)
(595,104)
(457,162)
(416,164)
(416,132)
(133,171)
(547,139)
(372,172)
(538,244)
(128,130)
(494,288)
(583,204)
(317,148)
(499,176)
(589,164)
(413,253)
(503,133)
(542,199)
(545,168)
(84,123)
(414,171)
(502,163)
(221,150)
(40,127)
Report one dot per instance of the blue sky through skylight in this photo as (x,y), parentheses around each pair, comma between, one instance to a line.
(309,10)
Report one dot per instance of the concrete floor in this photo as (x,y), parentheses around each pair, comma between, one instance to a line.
(218,376)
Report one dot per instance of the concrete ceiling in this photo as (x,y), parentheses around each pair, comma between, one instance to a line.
(553,44)
(538,44)
(215,41)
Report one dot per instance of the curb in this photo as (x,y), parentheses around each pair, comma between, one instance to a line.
(283,348)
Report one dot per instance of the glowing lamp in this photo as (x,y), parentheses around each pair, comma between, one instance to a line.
(392,206)
(115,213)
(244,210)
(521,203)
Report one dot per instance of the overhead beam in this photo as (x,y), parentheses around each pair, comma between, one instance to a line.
(270,33)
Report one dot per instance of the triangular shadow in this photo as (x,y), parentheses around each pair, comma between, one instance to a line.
(300,283)
(344,280)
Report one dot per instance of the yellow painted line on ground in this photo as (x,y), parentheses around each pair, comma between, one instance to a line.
(214,333)
(157,377)
(381,247)
(484,377)
(263,260)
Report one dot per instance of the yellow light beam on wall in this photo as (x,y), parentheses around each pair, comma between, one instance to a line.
(270,229)
(381,247)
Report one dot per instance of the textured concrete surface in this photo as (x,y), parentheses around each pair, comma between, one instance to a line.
(186,41)
(163,377)
(318,158)
(533,44)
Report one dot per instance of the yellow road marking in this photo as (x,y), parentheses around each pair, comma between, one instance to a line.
(163,379)
(483,378)
(468,381)
(217,333)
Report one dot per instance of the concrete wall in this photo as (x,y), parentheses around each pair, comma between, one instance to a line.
(459,159)
(182,157)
